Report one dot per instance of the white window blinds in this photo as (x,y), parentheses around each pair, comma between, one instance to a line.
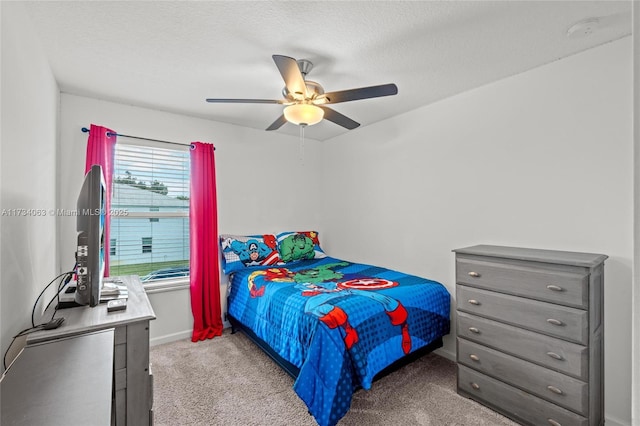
(150,206)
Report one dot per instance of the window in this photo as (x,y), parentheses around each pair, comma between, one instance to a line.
(154,219)
(112,246)
(150,183)
(147,244)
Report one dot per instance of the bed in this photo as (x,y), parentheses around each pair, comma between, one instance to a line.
(332,324)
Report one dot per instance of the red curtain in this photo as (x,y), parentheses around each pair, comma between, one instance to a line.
(101,150)
(204,258)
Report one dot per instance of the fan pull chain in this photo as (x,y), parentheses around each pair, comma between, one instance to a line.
(302,143)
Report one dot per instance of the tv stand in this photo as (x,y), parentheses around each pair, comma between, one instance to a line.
(46,384)
(133,382)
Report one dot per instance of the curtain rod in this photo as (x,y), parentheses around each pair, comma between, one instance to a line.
(85,130)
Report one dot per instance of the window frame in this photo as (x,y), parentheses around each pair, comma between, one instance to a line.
(155,219)
(165,284)
(147,245)
(113,244)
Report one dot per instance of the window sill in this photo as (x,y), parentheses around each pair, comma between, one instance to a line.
(163,286)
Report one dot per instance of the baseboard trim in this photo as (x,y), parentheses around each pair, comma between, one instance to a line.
(612,421)
(445,354)
(167,338)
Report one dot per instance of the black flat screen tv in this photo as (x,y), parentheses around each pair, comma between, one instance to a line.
(91,216)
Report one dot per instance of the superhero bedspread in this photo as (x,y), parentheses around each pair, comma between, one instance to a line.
(339,322)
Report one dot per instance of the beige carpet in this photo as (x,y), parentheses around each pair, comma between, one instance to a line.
(229,381)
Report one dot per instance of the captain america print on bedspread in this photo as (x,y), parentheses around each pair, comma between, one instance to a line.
(339,322)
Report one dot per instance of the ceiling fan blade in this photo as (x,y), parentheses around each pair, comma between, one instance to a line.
(278,123)
(339,119)
(245,101)
(291,74)
(361,93)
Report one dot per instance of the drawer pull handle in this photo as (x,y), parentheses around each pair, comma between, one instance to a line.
(474,302)
(474,274)
(555,287)
(553,422)
(554,321)
(474,357)
(555,390)
(475,386)
(474,330)
(555,355)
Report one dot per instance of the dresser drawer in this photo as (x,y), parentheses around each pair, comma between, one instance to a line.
(514,402)
(120,335)
(566,285)
(120,356)
(569,358)
(120,379)
(555,387)
(555,320)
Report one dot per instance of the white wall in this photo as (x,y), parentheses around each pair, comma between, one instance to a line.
(542,159)
(635,391)
(30,100)
(262,181)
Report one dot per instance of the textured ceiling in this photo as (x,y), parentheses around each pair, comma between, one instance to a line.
(172,55)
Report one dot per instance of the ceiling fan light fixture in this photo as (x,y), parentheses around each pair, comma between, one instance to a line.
(302,97)
(303,114)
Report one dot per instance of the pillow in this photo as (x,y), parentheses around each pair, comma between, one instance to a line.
(294,246)
(245,251)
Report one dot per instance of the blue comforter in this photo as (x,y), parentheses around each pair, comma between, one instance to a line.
(339,322)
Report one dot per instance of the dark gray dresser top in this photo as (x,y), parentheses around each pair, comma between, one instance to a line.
(61,382)
(588,260)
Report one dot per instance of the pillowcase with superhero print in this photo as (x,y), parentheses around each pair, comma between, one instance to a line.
(294,246)
(246,251)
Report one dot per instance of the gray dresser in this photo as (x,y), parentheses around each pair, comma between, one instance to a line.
(46,385)
(132,379)
(530,327)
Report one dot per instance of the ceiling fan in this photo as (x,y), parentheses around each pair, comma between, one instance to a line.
(306,100)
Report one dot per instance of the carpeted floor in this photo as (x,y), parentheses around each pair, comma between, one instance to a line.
(229,381)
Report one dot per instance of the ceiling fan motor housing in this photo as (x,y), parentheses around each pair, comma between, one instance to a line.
(305,66)
(314,90)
